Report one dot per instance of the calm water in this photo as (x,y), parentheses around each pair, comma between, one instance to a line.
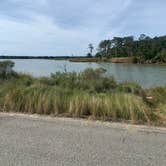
(145,75)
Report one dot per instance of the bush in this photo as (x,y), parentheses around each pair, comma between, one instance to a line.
(6,70)
(130,87)
(136,59)
(156,96)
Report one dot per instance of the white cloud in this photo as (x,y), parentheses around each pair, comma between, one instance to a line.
(42,37)
(47,27)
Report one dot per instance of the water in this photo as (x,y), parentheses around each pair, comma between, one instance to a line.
(145,75)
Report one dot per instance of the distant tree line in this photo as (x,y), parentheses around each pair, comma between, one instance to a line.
(142,49)
(32,57)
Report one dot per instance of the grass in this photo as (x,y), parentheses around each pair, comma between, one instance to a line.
(88,94)
(49,100)
(116,106)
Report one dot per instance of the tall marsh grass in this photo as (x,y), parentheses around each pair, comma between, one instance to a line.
(35,99)
(116,106)
(88,94)
(50,100)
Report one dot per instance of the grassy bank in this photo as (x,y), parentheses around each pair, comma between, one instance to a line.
(133,60)
(88,59)
(122,60)
(103,59)
(88,94)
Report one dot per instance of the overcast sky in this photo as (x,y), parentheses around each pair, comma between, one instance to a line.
(66,27)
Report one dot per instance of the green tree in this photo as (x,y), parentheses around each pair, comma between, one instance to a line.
(128,43)
(142,37)
(105,47)
(91,48)
(143,49)
(161,57)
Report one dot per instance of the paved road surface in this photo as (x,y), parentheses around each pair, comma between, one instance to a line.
(43,141)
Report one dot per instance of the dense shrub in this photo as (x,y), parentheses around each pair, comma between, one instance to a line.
(6,69)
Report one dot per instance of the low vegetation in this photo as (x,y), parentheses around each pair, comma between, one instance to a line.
(88,94)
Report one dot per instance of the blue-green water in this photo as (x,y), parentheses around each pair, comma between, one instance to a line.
(145,75)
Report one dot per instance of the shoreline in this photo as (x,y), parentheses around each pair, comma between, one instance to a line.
(123,60)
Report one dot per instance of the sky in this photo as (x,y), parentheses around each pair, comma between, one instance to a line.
(66,27)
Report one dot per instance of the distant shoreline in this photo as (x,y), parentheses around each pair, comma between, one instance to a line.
(34,57)
(129,60)
(74,58)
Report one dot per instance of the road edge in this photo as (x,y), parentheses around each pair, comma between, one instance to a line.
(114,125)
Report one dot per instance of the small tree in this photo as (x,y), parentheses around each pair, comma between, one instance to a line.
(6,69)
(89,55)
(90,46)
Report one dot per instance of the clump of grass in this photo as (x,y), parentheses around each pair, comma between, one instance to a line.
(118,106)
(157,95)
(79,105)
(161,112)
(130,87)
(35,99)
(156,99)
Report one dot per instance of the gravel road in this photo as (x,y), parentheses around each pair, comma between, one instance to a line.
(44,141)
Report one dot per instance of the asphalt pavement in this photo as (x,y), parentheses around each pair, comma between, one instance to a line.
(44,141)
